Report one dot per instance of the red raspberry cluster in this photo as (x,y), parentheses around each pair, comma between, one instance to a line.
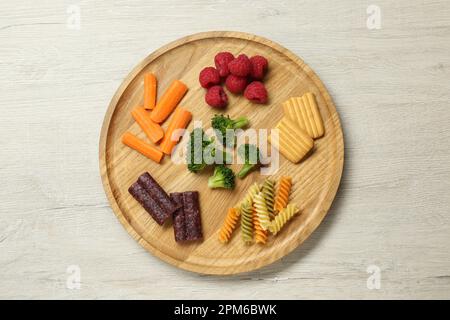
(240,74)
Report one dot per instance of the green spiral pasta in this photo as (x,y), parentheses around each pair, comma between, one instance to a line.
(268,189)
(261,210)
(282,218)
(247,222)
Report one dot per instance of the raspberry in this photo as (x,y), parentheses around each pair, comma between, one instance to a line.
(259,67)
(236,84)
(240,66)
(221,60)
(256,92)
(216,97)
(208,77)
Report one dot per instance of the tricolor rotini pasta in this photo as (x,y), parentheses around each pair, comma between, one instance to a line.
(260,234)
(268,189)
(261,210)
(247,222)
(283,192)
(229,224)
(282,218)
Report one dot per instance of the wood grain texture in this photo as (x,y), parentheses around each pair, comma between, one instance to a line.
(316,178)
(391,88)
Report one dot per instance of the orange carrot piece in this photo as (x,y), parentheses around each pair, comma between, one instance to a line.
(168,101)
(153,130)
(180,120)
(149,91)
(137,144)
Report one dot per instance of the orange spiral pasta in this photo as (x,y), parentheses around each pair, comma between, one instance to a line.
(229,224)
(260,234)
(283,192)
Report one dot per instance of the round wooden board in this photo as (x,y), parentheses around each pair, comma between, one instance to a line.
(316,179)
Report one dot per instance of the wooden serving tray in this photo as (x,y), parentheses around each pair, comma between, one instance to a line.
(316,179)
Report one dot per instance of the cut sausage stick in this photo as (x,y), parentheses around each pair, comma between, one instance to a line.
(191,210)
(158,193)
(137,144)
(168,102)
(153,130)
(180,120)
(179,220)
(149,91)
(187,222)
(150,205)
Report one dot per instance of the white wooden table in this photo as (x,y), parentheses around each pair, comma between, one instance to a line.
(391,86)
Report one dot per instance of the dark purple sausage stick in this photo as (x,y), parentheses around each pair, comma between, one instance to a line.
(179,221)
(192,216)
(150,205)
(157,193)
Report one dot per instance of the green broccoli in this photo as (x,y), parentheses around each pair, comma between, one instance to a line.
(221,123)
(249,153)
(223,177)
(201,151)
(197,144)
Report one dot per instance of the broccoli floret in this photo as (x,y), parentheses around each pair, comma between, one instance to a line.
(249,153)
(227,158)
(201,151)
(221,123)
(223,177)
(197,144)
(193,167)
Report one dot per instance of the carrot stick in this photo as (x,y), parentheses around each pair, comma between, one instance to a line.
(149,91)
(168,101)
(137,144)
(180,120)
(153,130)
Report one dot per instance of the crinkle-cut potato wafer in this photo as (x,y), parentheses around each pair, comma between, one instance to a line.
(305,112)
(293,143)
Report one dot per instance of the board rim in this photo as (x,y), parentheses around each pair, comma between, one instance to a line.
(248,266)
